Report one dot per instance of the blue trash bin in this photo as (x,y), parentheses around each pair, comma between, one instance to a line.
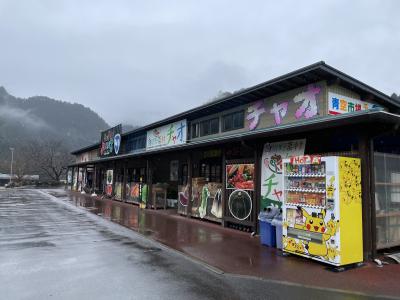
(267,234)
(277,223)
(267,231)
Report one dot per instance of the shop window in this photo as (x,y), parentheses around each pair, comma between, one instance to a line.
(136,175)
(211,171)
(208,127)
(120,175)
(184,175)
(387,199)
(195,130)
(233,121)
(135,143)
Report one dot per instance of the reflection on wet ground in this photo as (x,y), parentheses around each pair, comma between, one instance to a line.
(233,251)
(49,248)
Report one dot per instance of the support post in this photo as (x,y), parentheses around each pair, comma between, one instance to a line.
(149,182)
(72,178)
(124,182)
(77,180)
(84,178)
(372,193)
(94,180)
(223,192)
(189,182)
(257,183)
(367,197)
(114,177)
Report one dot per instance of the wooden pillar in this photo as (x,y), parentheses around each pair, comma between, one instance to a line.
(223,192)
(77,180)
(124,182)
(149,181)
(189,182)
(372,193)
(114,177)
(84,176)
(257,184)
(66,176)
(367,197)
(72,178)
(94,179)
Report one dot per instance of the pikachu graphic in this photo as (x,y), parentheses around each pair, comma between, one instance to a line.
(332,253)
(330,189)
(291,245)
(316,223)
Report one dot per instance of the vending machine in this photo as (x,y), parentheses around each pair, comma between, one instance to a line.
(322,209)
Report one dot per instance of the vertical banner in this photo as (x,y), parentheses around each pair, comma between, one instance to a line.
(271,169)
(109,187)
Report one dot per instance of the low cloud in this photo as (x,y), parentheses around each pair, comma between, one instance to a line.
(24,117)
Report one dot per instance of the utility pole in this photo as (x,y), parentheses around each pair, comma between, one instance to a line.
(12,161)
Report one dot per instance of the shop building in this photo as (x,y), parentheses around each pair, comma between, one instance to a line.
(222,161)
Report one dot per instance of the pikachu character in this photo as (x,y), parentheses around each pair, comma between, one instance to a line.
(316,223)
(330,189)
(350,181)
(332,253)
(333,226)
(285,224)
(290,244)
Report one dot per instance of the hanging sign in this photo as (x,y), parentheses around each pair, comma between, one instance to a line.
(338,104)
(169,135)
(271,169)
(110,141)
(295,105)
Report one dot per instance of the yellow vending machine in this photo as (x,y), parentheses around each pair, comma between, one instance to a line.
(322,209)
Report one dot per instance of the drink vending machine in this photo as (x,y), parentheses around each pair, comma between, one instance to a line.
(322,209)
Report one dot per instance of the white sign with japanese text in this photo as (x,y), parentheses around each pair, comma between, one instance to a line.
(168,135)
(271,169)
(338,104)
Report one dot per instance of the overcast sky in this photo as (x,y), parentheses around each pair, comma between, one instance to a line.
(139,61)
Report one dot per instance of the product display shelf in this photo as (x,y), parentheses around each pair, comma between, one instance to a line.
(305,205)
(301,190)
(305,175)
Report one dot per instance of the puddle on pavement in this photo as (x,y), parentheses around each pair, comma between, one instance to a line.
(126,215)
(176,233)
(24,245)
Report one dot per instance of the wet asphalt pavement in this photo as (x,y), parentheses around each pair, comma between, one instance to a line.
(51,249)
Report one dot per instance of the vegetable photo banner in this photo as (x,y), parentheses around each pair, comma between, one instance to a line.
(271,169)
(240,176)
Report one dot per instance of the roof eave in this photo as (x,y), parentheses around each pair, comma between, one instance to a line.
(307,125)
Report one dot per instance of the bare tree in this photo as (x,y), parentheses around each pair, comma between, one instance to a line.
(49,157)
(20,164)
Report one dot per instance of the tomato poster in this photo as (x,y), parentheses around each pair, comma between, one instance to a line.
(240,176)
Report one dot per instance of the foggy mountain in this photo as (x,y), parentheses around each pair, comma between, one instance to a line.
(42,117)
